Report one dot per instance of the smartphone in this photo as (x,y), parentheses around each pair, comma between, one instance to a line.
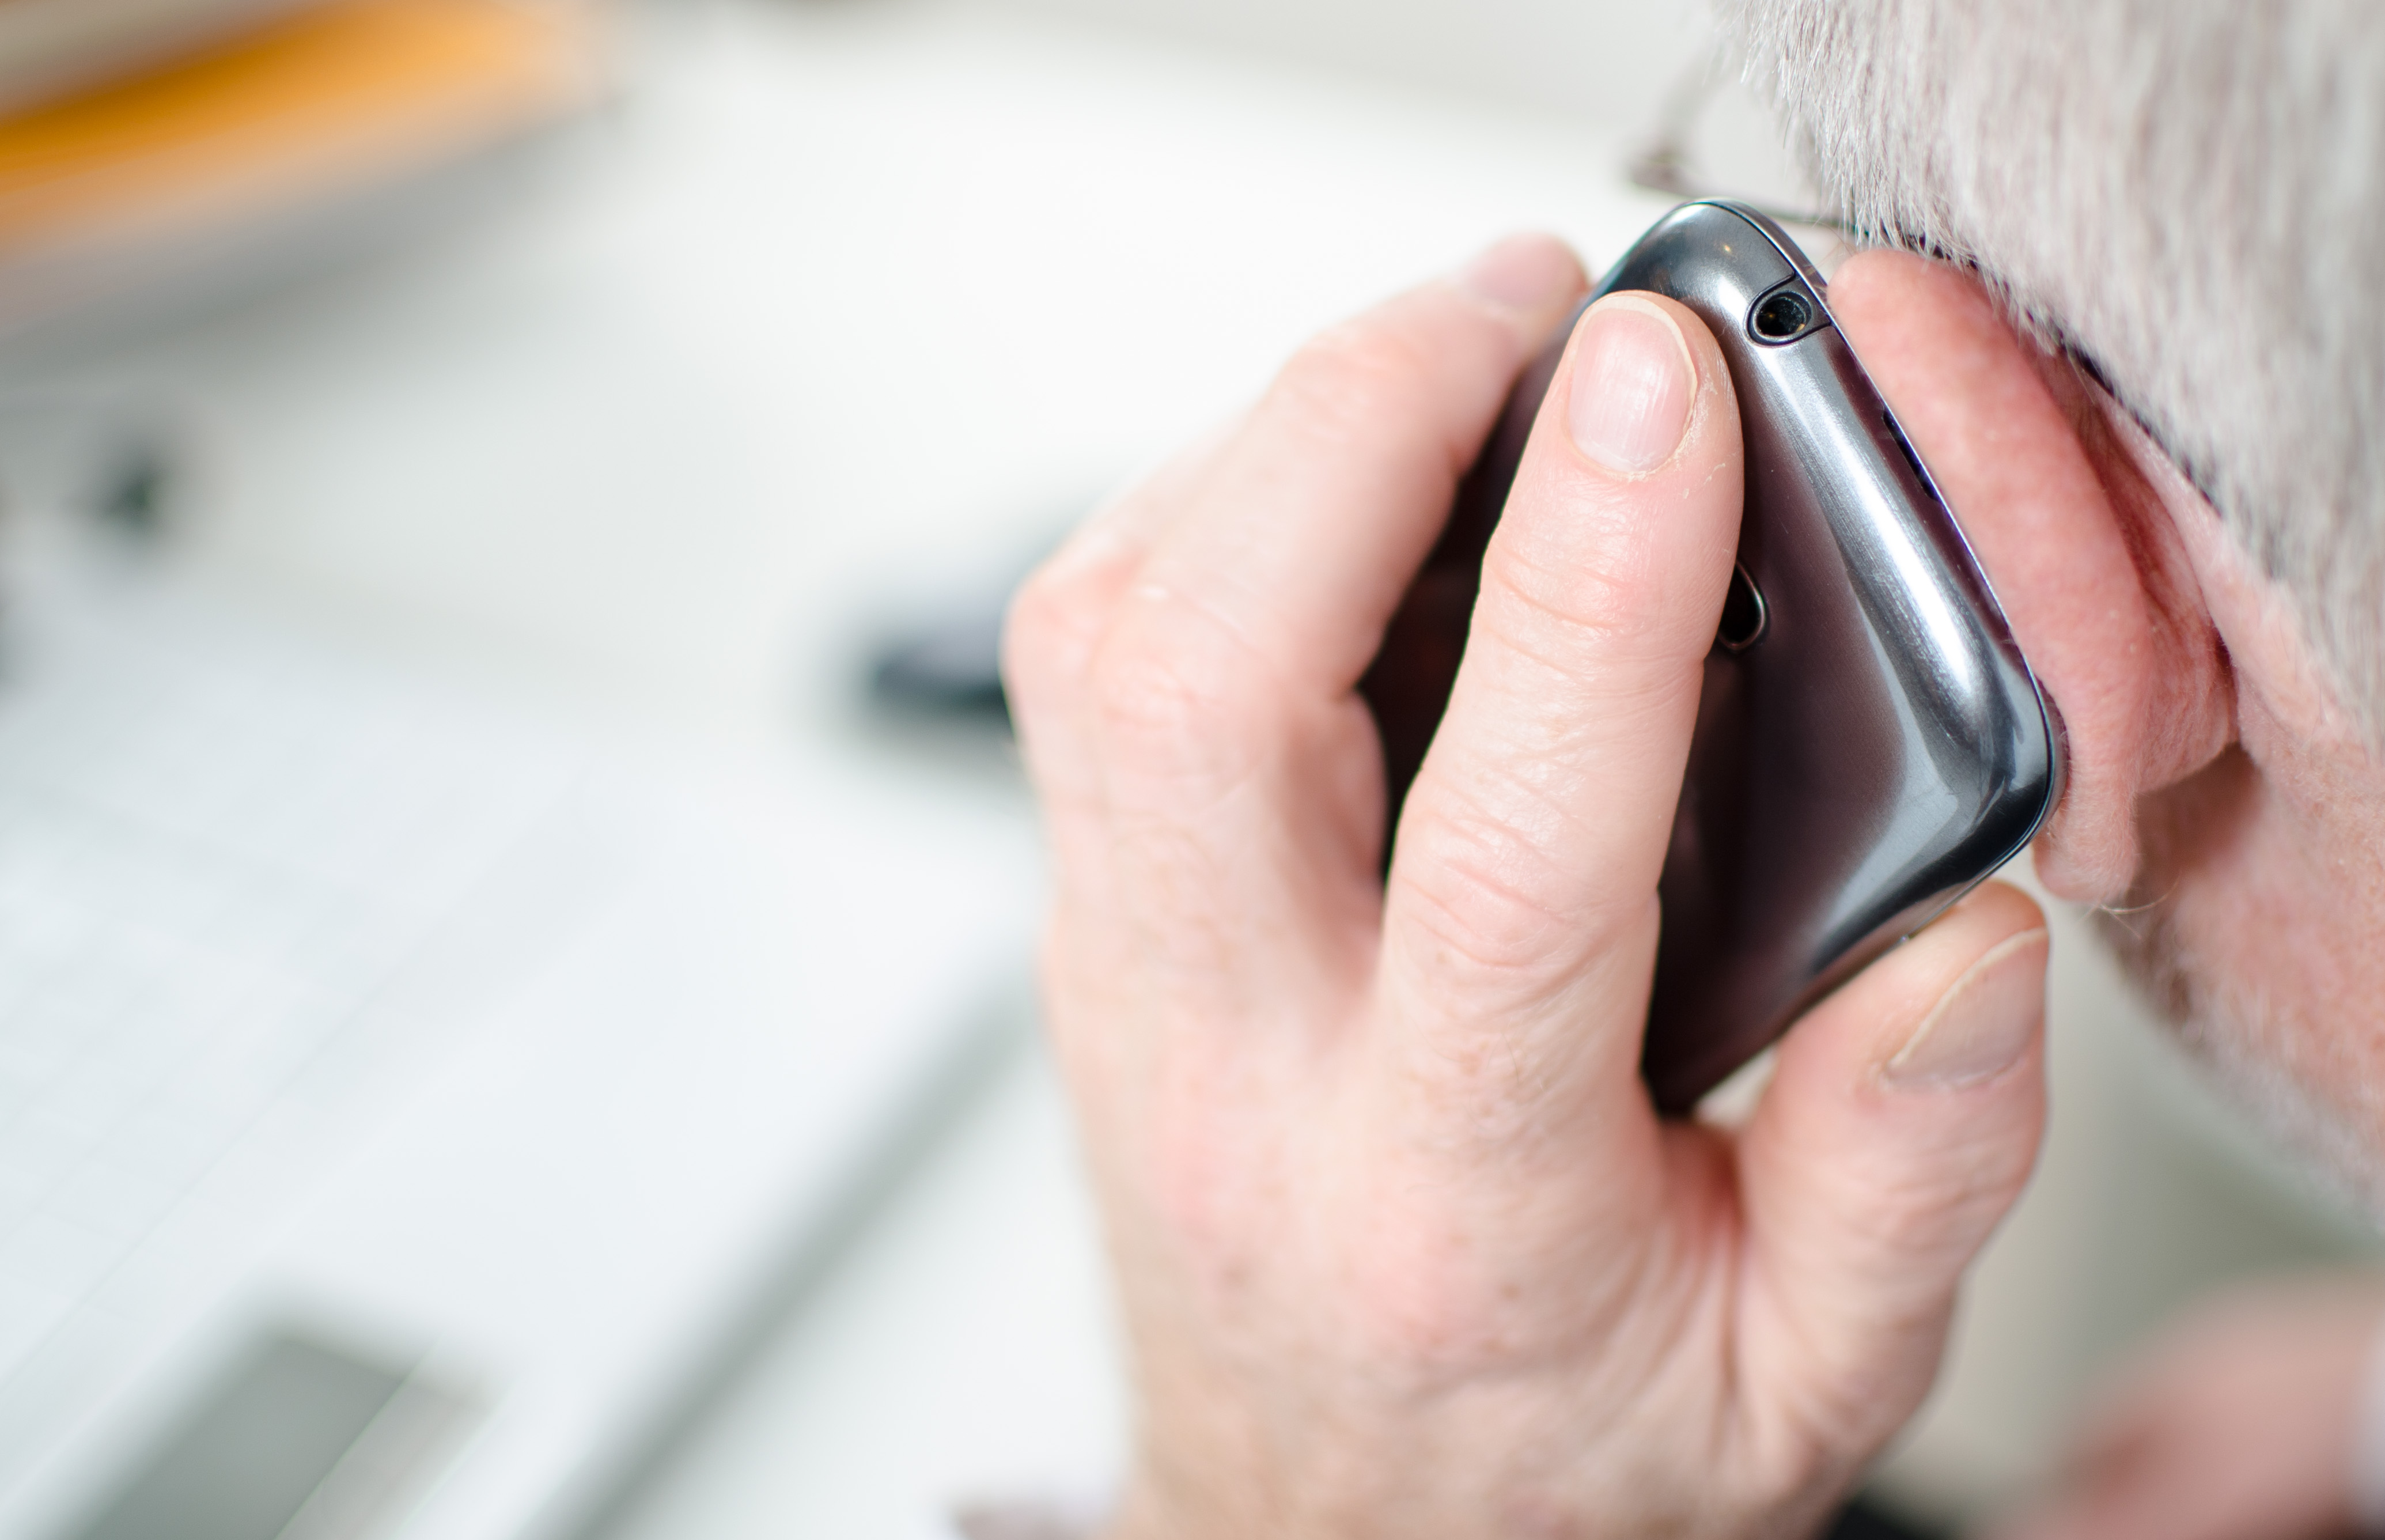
(1870,744)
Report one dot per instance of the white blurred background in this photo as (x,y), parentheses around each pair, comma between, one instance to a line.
(837,311)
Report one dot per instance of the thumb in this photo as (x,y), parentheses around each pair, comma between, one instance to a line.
(1901,1123)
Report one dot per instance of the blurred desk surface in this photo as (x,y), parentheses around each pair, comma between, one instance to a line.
(846,303)
(963,1349)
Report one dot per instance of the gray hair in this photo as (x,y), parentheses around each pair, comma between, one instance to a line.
(2189,192)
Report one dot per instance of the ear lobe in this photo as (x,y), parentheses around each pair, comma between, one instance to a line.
(2070,568)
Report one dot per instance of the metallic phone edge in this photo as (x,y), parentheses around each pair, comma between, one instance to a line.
(1855,958)
(2058,736)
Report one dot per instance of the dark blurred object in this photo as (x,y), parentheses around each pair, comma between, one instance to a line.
(944,665)
(220,155)
(1863,1522)
(300,1436)
(952,670)
(134,499)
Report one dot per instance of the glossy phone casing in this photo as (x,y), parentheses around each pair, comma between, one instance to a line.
(1877,750)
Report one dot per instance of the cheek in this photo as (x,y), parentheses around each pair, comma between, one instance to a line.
(2253,923)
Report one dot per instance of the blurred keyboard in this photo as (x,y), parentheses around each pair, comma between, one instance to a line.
(223,861)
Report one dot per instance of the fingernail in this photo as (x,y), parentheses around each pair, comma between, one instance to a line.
(1633,381)
(1982,1026)
(1522,272)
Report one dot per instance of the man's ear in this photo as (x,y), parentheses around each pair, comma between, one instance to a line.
(2081,555)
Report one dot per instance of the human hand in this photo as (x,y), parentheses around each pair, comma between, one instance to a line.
(2239,1423)
(1404,1248)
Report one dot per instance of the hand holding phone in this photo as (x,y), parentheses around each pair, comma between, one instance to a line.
(1871,743)
(1403,1247)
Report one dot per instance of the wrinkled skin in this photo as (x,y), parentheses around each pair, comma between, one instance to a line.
(1404,1248)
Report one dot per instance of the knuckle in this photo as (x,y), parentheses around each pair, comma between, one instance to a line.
(1911,1227)
(1150,695)
(1581,580)
(1164,692)
(1485,934)
(1037,661)
(1056,620)
(1485,896)
(1489,954)
(1346,384)
(1955,1209)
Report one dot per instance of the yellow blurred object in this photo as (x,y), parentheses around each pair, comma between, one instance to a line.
(335,97)
(54,48)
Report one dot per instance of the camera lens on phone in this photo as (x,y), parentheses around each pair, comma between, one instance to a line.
(1781,315)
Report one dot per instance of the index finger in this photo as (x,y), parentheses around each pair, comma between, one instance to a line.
(1202,685)
(1522,904)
